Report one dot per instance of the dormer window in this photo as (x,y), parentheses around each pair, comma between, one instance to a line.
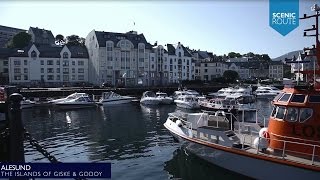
(33,54)
(65,55)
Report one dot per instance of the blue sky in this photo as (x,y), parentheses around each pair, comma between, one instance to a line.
(217,26)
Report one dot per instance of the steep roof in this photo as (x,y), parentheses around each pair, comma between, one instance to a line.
(102,37)
(171,49)
(52,52)
(5,52)
(186,52)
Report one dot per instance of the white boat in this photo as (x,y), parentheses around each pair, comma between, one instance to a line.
(267,92)
(70,97)
(27,103)
(187,102)
(149,98)
(83,101)
(110,98)
(222,93)
(164,98)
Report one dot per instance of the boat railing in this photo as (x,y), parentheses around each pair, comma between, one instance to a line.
(186,124)
(305,158)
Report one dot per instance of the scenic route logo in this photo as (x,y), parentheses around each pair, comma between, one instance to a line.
(284,15)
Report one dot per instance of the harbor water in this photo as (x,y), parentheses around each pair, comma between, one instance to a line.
(132,137)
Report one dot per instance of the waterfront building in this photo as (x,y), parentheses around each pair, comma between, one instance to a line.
(7,33)
(180,63)
(119,59)
(41,36)
(48,66)
(241,68)
(276,70)
(258,69)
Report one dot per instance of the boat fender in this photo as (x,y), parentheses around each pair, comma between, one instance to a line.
(179,123)
(260,143)
(220,113)
(263,133)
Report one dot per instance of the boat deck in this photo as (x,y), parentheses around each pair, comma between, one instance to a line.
(244,141)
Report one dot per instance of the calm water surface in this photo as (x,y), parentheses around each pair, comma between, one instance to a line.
(132,137)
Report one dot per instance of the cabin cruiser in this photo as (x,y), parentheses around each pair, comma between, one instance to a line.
(267,92)
(222,93)
(83,101)
(70,97)
(187,102)
(233,101)
(164,98)
(150,98)
(109,98)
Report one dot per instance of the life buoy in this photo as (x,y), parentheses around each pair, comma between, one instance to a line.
(220,113)
(263,133)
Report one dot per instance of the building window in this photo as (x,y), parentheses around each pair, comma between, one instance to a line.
(50,70)
(25,70)
(109,58)
(170,61)
(65,55)
(16,62)
(73,63)
(42,62)
(81,70)
(152,66)
(80,63)
(65,77)
(5,70)
(73,70)
(17,77)
(16,70)
(73,77)
(205,65)
(50,77)
(5,63)
(33,54)
(65,63)
(65,70)
(42,70)
(58,70)
(80,77)
(25,77)
(58,62)
(205,70)
(58,77)
(25,62)
(50,62)
(141,59)
(179,54)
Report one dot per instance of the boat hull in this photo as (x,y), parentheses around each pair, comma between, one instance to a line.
(243,164)
(75,106)
(117,101)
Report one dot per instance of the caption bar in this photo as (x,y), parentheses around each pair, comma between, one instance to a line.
(56,170)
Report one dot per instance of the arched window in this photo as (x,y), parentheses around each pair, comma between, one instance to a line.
(179,54)
(65,55)
(179,61)
(33,54)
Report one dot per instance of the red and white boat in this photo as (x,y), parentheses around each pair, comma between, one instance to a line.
(289,148)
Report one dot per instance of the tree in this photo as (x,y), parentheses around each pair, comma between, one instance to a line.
(75,40)
(20,40)
(231,54)
(230,76)
(266,57)
(60,39)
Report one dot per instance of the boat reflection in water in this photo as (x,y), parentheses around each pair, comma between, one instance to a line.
(185,165)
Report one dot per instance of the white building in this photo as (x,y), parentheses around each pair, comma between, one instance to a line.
(51,66)
(119,58)
(241,68)
(276,70)
(180,63)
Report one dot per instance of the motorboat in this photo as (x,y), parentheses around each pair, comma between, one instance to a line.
(187,102)
(164,98)
(83,101)
(150,98)
(110,98)
(267,92)
(239,90)
(27,103)
(288,147)
(70,97)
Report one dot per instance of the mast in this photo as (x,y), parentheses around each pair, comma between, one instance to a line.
(315,50)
